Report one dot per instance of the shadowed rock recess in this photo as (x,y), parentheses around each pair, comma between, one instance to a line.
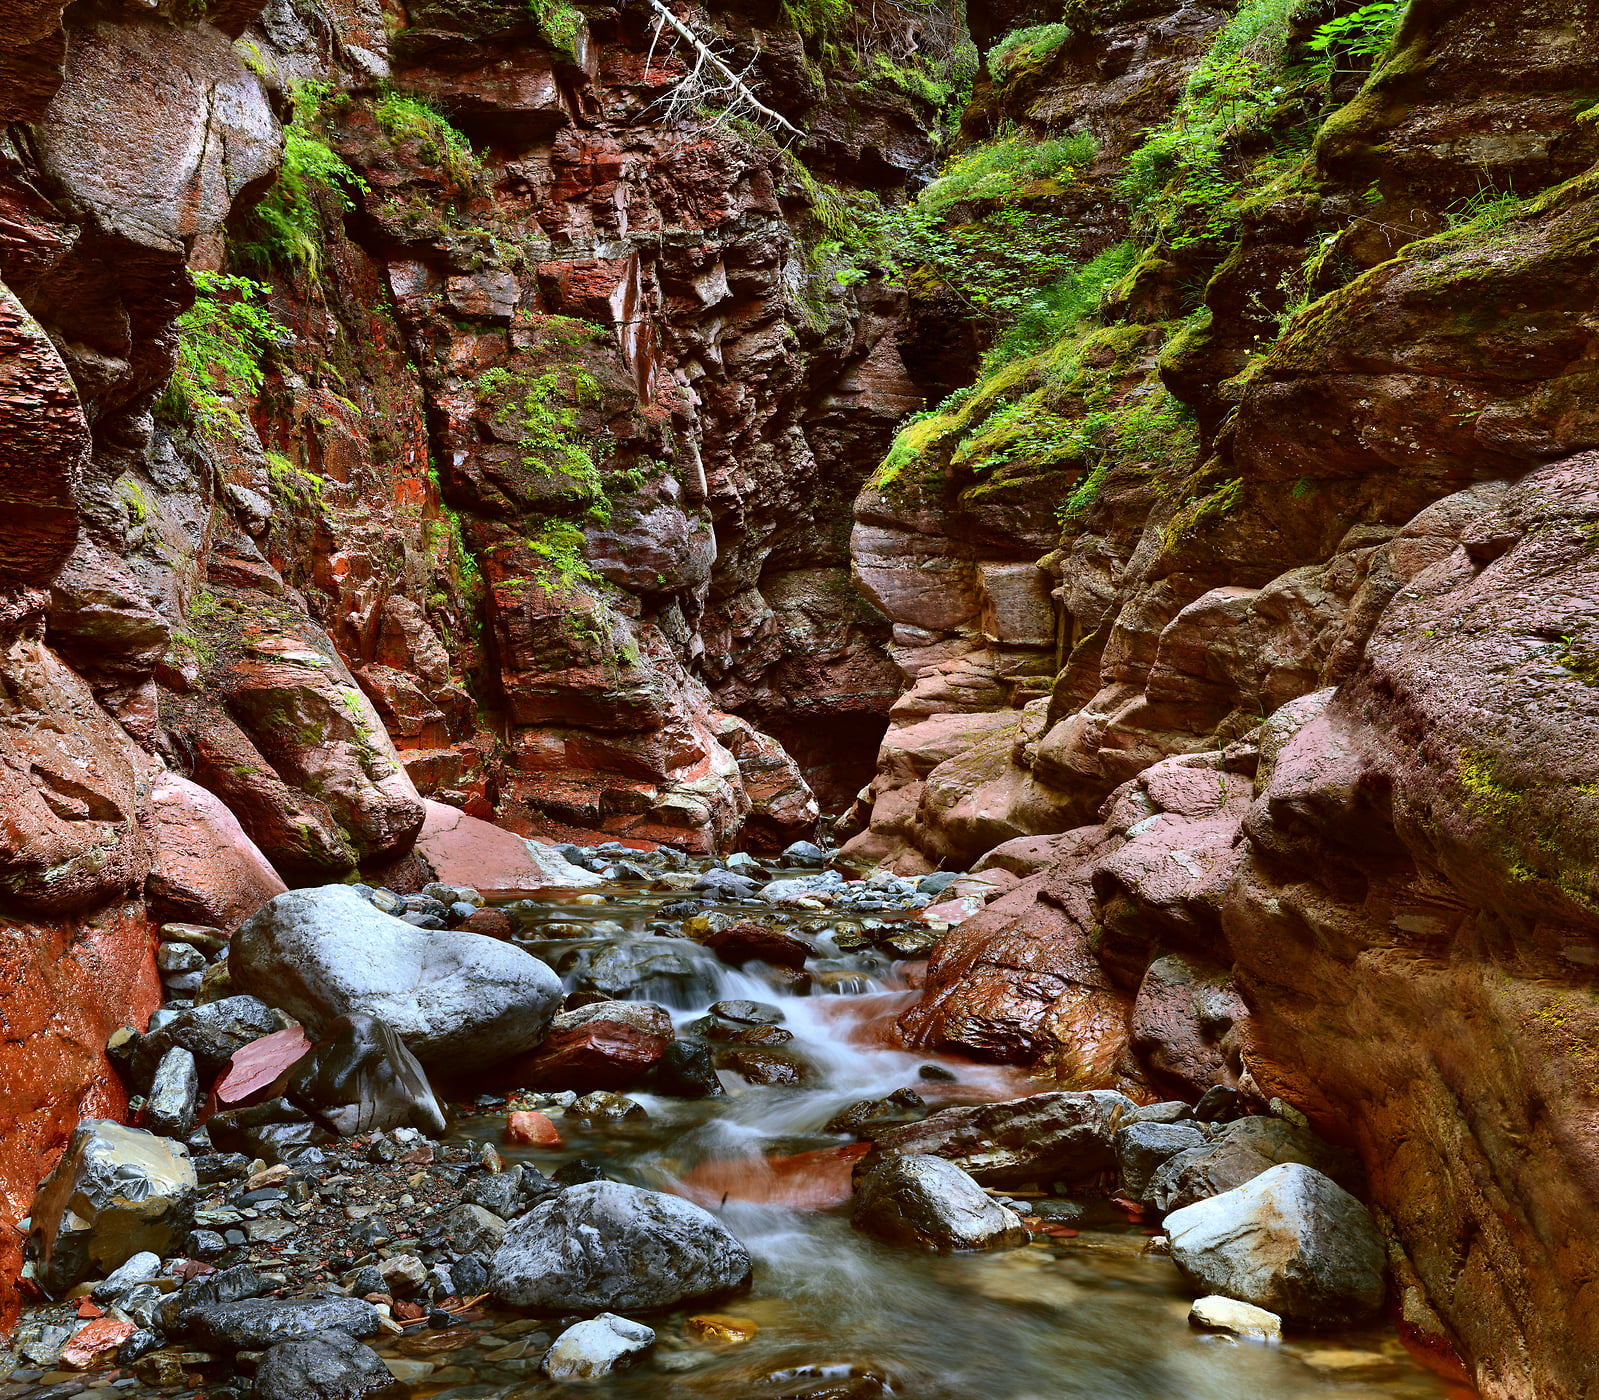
(1135,464)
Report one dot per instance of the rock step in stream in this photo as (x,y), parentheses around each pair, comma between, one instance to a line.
(651,1139)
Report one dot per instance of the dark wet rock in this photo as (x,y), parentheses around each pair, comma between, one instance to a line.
(273,1131)
(328,1365)
(1168,1111)
(929,1201)
(604,1246)
(576,1172)
(473,1230)
(673,970)
(253,1324)
(220,1166)
(470,1275)
(867,1116)
(212,1032)
(804,853)
(936,1074)
(1046,1137)
(759,1066)
(601,1106)
(1217,1104)
(1143,1147)
(724,884)
(116,1192)
(687,1071)
(225,1286)
(169,1107)
(140,1343)
(1292,1241)
(747,942)
(499,1192)
(137,1269)
(456,999)
(747,1013)
(361,1077)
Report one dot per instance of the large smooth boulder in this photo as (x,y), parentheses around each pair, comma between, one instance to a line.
(205,868)
(116,1191)
(1045,1137)
(327,1365)
(928,1201)
(602,1246)
(1291,1241)
(456,999)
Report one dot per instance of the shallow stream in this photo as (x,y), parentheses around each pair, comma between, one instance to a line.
(1083,1315)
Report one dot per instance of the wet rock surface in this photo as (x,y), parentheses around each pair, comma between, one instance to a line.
(606,1245)
(929,1201)
(462,998)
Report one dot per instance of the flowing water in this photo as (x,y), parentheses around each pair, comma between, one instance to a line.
(1089,1316)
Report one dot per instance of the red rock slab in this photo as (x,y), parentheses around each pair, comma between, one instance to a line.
(206,869)
(594,1055)
(260,1064)
(802,1181)
(52,1058)
(465,851)
(103,1335)
(492,923)
(525,1128)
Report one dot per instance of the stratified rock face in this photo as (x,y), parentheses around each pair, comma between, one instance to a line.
(456,999)
(604,1245)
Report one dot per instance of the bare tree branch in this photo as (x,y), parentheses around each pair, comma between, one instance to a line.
(694,85)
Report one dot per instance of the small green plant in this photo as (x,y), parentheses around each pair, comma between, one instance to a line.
(559,547)
(1485,211)
(287,228)
(1022,49)
(404,117)
(561,23)
(222,341)
(1353,43)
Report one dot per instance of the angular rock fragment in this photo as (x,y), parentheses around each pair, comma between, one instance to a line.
(116,1192)
(596,1347)
(328,1365)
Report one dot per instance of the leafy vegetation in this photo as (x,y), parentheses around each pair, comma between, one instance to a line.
(287,228)
(222,341)
(1351,44)
(403,117)
(1024,49)
(561,22)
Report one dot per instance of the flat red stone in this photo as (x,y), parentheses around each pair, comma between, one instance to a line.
(258,1065)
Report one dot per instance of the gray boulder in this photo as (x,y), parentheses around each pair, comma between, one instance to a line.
(596,1347)
(324,1366)
(139,1268)
(1142,1148)
(474,1230)
(930,1202)
(253,1324)
(116,1192)
(459,999)
(1291,1241)
(602,1246)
